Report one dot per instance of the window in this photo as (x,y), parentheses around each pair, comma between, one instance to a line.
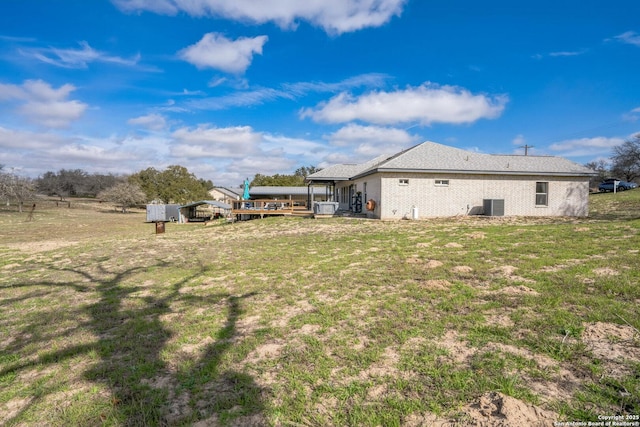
(403,181)
(542,193)
(442,182)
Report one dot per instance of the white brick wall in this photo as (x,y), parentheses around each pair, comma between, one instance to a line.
(465,194)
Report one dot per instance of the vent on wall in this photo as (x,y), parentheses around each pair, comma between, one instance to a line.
(493,207)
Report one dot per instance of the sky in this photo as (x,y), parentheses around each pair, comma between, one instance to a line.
(234,88)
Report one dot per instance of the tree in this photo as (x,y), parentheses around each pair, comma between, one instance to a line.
(278,180)
(124,194)
(17,188)
(175,184)
(626,159)
(305,171)
(149,182)
(64,183)
(601,167)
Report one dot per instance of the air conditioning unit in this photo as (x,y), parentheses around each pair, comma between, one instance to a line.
(493,207)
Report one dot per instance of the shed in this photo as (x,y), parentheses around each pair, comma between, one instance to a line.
(212,210)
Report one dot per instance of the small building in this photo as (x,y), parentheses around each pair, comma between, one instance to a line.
(204,210)
(225,195)
(434,180)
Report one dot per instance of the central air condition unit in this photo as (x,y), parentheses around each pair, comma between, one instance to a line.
(493,207)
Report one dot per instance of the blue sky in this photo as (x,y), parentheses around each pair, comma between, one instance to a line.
(232,88)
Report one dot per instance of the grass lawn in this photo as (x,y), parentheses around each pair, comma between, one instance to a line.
(290,322)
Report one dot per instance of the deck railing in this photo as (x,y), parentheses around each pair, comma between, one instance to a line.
(265,207)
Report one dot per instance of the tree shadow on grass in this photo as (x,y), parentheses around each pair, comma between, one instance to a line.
(127,358)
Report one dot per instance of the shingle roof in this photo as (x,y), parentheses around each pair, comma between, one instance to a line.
(344,172)
(228,192)
(432,157)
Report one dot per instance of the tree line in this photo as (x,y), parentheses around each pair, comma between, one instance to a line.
(278,180)
(624,164)
(175,184)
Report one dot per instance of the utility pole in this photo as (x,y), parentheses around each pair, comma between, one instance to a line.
(526,148)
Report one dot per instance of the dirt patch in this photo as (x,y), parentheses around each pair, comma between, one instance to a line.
(441,285)
(496,409)
(386,366)
(265,351)
(179,406)
(462,269)
(309,329)
(615,345)
(492,409)
(37,247)
(13,407)
(508,271)
(562,382)
(292,311)
(432,263)
(606,271)
(477,235)
(515,290)
(502,320)
(453,245)
(458,349)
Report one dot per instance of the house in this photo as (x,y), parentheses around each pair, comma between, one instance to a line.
(434,180)
(225,195)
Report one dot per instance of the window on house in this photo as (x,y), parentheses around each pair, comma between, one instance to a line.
(542,193)
(442,182)
(403,181)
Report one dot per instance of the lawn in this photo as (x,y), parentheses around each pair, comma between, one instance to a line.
(291,321)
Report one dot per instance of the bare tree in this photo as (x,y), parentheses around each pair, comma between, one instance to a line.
(602,168)
(13,187)
(626,159)
(124,194)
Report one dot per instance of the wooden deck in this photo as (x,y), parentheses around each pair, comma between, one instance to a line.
(268,207)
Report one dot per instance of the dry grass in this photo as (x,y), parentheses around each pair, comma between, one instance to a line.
(504,321)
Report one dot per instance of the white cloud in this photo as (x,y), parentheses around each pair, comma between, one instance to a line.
(216,51)
(289,91)
(371,141)
(586,146)
(294,146)
(44,105)
(37,152)
(567,53)
(212,142)
(519,140)
(633,115)
(268,163)
(426,104)
(77,58)
(24,140)
(56,114)
(630,37)
(91,153)
(334,16)
(155,122)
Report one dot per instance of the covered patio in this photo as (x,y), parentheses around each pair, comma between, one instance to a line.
(204,210)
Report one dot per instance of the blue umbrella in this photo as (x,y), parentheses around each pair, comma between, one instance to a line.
(245,195)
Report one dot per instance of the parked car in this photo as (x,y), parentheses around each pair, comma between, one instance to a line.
(607,185)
